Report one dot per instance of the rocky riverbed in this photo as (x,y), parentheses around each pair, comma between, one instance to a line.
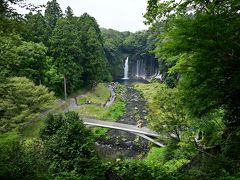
(120,144)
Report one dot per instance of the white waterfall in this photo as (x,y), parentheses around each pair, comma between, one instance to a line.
(126,69)
(138,64)
(159,76)
(145,69)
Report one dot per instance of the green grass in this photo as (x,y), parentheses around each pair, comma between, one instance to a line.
(148,90)
(98,131)
(97,111)
(99,95)
(111,113)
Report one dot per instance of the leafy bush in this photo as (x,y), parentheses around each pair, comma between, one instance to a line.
(21,159)
(135,170)
(69,146)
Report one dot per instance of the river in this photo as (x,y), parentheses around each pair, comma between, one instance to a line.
(118,144)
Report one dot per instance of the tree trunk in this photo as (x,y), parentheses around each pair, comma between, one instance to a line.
(65,87)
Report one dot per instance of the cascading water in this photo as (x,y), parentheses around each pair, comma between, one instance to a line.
(138,64)
(126,69)
(144,68)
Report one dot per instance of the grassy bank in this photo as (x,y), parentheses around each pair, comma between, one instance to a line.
(97,98)
(96,109)
(148,91)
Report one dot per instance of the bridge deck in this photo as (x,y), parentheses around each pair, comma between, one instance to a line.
(120,126)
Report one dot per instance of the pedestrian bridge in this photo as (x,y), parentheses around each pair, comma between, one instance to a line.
(143,132)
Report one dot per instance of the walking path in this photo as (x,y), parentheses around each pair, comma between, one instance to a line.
(143,132)
(120,126)
(112,97)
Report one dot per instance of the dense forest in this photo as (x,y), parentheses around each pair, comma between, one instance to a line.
(119,45)
(45,56)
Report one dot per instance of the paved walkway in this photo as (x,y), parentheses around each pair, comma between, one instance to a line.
(112,97)
(120,126)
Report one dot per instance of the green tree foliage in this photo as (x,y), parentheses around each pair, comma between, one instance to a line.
(9,19)
(66,49)
(94,61)
(135,170)
(20,159)
(168,113)
(202,47)
(19,58)
(69,147)
(113,41)
(31,60)
(119,45)
(8,58)
(35,28)
(53,78)
(21,102)
(52,13)
(69,12)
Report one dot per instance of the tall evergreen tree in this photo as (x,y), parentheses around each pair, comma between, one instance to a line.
(52,13)
(35,28)
(69,12)
(66,50)
(94,61)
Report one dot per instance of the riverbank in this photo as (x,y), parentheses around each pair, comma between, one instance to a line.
(120,144)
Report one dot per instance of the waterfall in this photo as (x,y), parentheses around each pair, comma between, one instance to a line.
(144,68)
(159,76)
(138,66)
(126,69)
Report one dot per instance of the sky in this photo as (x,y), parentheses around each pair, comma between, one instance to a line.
(121,15)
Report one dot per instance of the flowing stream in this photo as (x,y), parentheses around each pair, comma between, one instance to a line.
(121,144)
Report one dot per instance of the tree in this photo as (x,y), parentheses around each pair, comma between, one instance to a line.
(69,147)
(66,48)
(69,12)
(94,61)
(200,39)
(52,13)
(10,20)
(22,102)
(20,159)
(32,57)
(35,28)
(112,41)
(167,112)
(19,58)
